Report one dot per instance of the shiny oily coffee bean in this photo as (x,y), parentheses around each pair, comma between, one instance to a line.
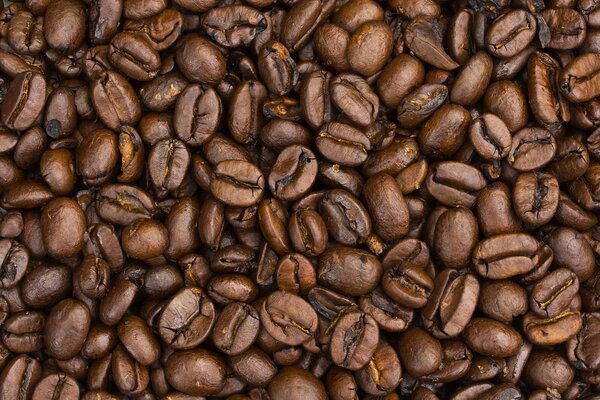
(342,144)
(420,104)
(24,101)
(383,374)
(390,316)
(409,286)
(349,271)
(420,353)
(236,328)
(553,293)
(346,218)
(295,273)
(490,137)
(288,318)
(502,300)
(353,97)
(63,386)
(293,173)
(187,319)
(354,340)
(549,107)
(532,148)
(535,197)
(237,183)
(543,331)
(233,25)
(277,68)
(134,56)
(506,340)
(307,232)
(578,81)
(197,114)
(511,33)
(451,304)
(507,255)
(454,184)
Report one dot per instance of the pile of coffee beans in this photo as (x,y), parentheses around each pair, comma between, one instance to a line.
(300,199)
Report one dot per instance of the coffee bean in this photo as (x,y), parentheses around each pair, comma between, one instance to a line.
(354,340)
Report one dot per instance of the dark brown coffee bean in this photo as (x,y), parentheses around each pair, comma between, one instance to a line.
(535,197)
(115,101)
(506,340)
(420,104)
(187,319)
(236,328)
(63,386)
(386,203)
(24,101)
(315,98)
(71,16)
(293,173)
(234,25)
(503,300)
(66,329)
(22,332)
(19,377)
(134,56)
(507,100)
(510,33)
(490,137)
(353,97)
(197,114)
(237,183)
(288,318)
(550,331)
(308,386)
(199,60)
(553,294)
(63,227)
(423,36)
(507,255)
(578,79)
(354,340)
(451,303)
(349,271)
(307,232)
(454,184)
(300,22)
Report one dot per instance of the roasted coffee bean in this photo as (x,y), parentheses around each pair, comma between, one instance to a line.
(233,25)
(354,340)
(454,184)
(426,355)
(115,101)
(200,60)
(451,303)
(532,148)
(387,206)
(535,197)
(288,318)
(134,56)
(578,79)
(346,218)
(66,329)
(24,101)
(502,300)
(306,384)
(423,36)
(353,97)
(187,319)
(505,343)
(507,255)
(511,33)
(553,294)
(349,271)
(293,173)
